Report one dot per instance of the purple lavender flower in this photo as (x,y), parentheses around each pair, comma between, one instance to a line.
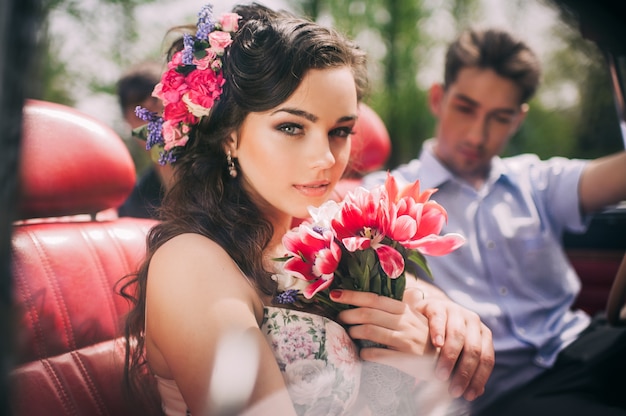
(166,157)
(205,22)
(188,42)
(204,30)
(288,296)
(155,132)
(145,114)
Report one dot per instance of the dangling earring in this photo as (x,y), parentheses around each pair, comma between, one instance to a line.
(232,169)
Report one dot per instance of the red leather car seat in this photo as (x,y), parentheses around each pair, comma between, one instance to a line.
(69,251)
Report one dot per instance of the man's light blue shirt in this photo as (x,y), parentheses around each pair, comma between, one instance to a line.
(512,270)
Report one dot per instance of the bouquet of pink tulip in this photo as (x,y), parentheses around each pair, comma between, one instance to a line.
(363,243)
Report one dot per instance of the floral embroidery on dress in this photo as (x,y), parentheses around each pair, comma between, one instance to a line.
(319,361)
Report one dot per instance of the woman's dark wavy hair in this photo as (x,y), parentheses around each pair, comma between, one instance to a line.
(270,54)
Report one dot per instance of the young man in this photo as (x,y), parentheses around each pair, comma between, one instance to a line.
(513,270)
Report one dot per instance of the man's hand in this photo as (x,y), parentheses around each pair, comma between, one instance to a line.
(466,348)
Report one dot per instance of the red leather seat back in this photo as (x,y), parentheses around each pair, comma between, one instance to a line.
(371,144)
(69,252)
(64,279)
(70,163)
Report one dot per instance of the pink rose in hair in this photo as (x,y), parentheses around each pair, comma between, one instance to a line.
(177,60)
(199,105)
(173,136)
(205,84)
(207,61)
(230,22)
(178,113)
(219,41)
(171,87)
(216,65)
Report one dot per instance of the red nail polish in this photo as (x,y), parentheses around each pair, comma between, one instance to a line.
(335,294)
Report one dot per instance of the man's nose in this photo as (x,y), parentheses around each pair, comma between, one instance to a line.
(478,130)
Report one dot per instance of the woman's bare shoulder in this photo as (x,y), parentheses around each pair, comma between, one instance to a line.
(197,266)
(191,244)
(188,250)
(195,294)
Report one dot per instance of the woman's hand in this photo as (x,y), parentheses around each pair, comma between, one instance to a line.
(466,348)
(393,323)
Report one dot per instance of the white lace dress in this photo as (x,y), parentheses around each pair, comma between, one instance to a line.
(324,374)
(319,361)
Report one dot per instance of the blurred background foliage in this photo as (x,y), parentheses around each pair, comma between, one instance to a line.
(587,127)
(398,36)
(56,76)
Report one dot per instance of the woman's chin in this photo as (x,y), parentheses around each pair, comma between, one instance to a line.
(297,219)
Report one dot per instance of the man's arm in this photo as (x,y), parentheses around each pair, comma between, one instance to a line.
(603,182)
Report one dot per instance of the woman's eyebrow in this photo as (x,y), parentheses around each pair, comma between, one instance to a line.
(311,117)
(300,113)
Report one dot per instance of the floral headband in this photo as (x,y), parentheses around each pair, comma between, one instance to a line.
(190,86)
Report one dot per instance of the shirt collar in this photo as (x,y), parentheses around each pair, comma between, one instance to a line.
(438,174)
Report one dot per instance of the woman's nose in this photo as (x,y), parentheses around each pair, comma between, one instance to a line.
(321,154)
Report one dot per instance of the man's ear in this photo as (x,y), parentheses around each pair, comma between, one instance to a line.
(435,98)
(522,115)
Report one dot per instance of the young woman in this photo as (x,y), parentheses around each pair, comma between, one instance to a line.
(259,108)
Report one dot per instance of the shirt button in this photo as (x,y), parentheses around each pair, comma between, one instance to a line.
(504,291)
(521,331)
(491,244)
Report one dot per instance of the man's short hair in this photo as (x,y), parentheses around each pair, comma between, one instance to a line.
(499,51)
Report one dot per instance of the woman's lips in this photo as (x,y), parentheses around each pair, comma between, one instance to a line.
(314,189)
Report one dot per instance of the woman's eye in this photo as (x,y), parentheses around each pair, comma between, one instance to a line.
(290,129)
(342,132)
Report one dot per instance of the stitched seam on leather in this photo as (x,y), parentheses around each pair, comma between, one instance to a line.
(68,405)
(56,292)
(124,252)
(122,255)
(89,382)
(104,282)
(31,311)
